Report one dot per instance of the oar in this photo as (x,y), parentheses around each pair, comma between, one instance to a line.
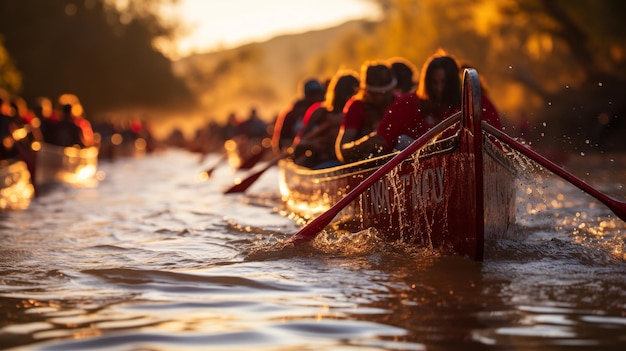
(618,207)
(246,183)
(310,231)
(219,162)
(253,159)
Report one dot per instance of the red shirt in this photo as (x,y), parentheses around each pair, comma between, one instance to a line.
(362,116)
(405,117)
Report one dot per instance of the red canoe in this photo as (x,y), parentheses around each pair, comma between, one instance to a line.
(448,196)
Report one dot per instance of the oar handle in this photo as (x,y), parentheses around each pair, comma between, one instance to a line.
(618,207)
(311,230)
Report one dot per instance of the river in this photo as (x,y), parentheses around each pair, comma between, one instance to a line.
(156,258)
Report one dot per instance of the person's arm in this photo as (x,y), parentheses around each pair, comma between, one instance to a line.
(367,146)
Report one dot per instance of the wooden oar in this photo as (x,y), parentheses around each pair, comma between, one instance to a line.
(618,207)
(310,231)
(246,183)
(209,171)
(252,160)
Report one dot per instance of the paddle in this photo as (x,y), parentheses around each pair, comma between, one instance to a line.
(219,162)
(253,159)
(310,231)
(246,183)
(618,207)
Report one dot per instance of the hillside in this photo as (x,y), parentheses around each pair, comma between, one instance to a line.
(264,75)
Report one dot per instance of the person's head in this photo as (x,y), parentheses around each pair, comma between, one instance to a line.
(377,82)
(439,80)
(404,71)
(343,85)
(43,107)
(66,109)
(253,113)
(313,90)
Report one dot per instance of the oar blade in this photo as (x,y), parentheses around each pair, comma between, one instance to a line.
(252,160)
(618,207)
(310,231)
(209,172)
(244,184)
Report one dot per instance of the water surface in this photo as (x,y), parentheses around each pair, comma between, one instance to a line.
(156,258)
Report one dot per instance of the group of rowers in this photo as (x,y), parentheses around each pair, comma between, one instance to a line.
(21,126)
(361,116)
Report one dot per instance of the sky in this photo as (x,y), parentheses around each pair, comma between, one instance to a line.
(220,24)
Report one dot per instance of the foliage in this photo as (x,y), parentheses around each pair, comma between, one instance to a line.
(92,49)
(544,56)
(10,77)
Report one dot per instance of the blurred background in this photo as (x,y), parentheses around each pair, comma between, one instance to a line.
(556,69)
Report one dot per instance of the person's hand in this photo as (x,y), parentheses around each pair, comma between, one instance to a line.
(403,141)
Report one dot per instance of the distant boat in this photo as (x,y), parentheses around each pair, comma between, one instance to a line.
(68,165)
(16,189)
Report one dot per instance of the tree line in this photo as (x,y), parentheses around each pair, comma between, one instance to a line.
(89,48)
(559,63)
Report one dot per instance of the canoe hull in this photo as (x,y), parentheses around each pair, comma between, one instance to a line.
(424,201)
(67,165)
(449,195)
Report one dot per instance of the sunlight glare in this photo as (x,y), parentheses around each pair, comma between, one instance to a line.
(213,25)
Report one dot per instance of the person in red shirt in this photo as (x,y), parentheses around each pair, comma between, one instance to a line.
(405,72)
(289,122)
(316,139)
(363,112)
(411,115)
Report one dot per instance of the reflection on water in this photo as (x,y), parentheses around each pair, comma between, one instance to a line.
(156,258)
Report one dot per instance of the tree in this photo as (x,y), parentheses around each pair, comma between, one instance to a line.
(560,62)
(91,49)
(10,77)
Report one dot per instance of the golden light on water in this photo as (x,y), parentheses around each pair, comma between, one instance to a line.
(86,172)
(16,190)
(71,165)
(83,176)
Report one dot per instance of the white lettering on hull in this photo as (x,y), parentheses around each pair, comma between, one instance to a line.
(426,187)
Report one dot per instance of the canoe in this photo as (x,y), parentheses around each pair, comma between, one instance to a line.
(16,189)
(67,165)
(449,196)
